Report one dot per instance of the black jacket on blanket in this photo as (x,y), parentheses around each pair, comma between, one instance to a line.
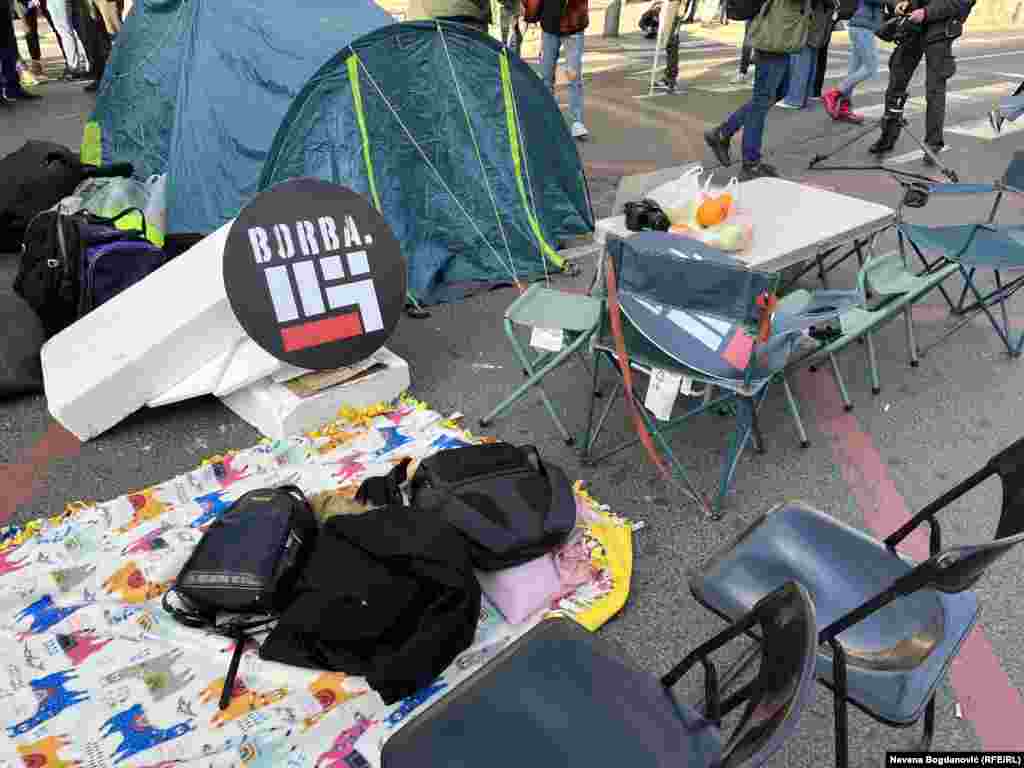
(389,595)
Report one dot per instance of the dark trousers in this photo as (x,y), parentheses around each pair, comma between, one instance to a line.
(8,48)
(88,23)
(819,76)
(32,31)
(940,65)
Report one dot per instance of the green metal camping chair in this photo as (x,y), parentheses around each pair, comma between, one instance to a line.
(972,248)
(682,313)
(562,324)
(895,288)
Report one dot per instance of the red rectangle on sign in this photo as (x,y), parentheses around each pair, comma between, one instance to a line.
(321,332)
(737,354)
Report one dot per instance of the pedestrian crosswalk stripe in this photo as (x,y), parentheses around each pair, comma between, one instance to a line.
(982,129)
(982,94)
(909,157)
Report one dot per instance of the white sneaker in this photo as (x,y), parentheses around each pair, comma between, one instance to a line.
(787,105)
(579,130)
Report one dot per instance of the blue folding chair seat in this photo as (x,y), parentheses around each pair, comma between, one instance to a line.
(888,628)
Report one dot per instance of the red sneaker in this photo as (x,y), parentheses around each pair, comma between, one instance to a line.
(833,101)
(846,112)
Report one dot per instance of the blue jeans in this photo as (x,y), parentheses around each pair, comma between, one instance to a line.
(863,59)
(551,47)
(771,81)
(802,68)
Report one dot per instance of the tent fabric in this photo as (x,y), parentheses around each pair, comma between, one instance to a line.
(134,113)
(197,88)
(457,142)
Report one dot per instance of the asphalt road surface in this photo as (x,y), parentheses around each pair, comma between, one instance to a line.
(928,428)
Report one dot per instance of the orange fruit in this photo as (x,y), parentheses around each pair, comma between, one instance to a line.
(712,212)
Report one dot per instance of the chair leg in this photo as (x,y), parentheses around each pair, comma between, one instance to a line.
(929,725)
(876,385)
(587,443)
(842,732)
(840,382)
(908,316)
(794,411)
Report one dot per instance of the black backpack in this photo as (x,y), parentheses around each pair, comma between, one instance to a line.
(70,264)
(245,569)
(743,10)
(510,505)
(35,178)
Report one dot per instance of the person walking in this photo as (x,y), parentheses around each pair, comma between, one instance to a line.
(803,65)
(936,24)
(781,27)
(862,27)
(11,89)
(563,22)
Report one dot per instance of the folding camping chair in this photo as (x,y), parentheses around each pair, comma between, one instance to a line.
(896,288)
(892,627)
(564,323)
(693,314)
(973,247)
(559,697)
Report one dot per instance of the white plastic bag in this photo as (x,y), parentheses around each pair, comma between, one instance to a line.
(734,233)
(156,204)
(679,193)
(114,197)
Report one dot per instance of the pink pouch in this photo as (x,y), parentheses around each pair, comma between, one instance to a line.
(521,591)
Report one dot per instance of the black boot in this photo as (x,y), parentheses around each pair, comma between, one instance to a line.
(887,141)
(892,122)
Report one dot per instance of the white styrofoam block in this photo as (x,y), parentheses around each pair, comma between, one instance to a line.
(249,364)
(142,342)
(200,383)
(278,413)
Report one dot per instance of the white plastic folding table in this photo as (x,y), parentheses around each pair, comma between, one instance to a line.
(795,225)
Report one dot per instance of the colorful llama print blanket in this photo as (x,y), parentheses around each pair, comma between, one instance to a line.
(94,674)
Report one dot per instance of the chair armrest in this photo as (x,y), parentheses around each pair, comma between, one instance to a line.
(929,512)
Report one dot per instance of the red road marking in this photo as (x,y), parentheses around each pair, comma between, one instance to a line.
(988,698)
(19,482)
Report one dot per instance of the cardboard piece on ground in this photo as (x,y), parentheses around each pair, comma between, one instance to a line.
(141,343)
(277,411)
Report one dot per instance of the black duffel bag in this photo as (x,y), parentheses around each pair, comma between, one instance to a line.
(37,177)
(510,505)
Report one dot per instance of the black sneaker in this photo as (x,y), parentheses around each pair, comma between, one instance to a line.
(92,87)
(719,146)
(758,170)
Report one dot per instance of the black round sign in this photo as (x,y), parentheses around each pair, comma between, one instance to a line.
(314,274)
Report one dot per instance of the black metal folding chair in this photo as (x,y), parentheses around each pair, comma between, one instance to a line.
(559,697)
(891,627)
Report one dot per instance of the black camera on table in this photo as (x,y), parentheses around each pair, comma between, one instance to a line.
(646,215)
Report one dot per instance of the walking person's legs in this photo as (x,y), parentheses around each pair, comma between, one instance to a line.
(771,81)
(574,72)
(939,67)
(822,65)
(863,66)
(801,72)
(902,63)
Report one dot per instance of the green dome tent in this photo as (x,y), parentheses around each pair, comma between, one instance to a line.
(456,141)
